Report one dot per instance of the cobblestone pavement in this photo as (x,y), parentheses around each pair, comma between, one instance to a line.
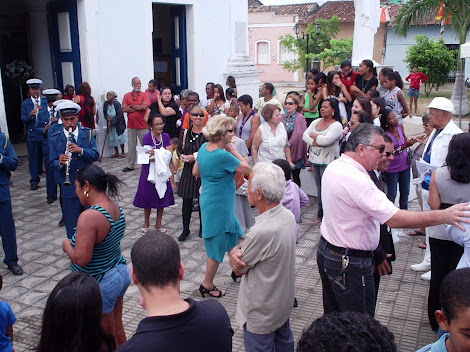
(401,303)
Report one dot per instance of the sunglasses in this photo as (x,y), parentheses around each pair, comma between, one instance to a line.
(231,131)
(387,154)
(380,148)
(290,103)
(196,114)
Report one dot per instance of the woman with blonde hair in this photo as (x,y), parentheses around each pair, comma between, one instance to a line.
(216,163)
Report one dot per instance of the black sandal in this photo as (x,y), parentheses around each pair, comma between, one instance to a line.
(203,291)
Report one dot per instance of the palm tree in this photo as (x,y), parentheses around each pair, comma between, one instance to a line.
(414,11)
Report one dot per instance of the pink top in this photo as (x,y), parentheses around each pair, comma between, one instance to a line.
(353,206)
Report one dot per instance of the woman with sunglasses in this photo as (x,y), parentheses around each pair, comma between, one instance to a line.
(190,142)
(217,162)
(323,136)
(399,170)
(295,124)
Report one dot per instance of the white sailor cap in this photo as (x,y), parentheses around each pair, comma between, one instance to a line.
(51,92)
(34,82)
(68,108)
(57,102)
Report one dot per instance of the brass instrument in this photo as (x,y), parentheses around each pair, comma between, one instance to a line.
(67,165)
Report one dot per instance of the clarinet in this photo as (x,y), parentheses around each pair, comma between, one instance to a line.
(67,165)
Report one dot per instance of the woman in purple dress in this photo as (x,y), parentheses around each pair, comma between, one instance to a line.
(147,196)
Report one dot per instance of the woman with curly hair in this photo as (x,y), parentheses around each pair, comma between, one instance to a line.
(83,98)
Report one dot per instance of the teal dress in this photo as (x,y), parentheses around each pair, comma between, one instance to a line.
(220,227)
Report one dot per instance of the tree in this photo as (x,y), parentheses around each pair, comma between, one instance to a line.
(322,46)
(432,58)
(458,13)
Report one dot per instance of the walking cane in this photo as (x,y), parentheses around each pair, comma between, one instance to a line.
(104,142)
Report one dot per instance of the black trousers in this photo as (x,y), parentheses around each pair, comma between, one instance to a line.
(187,210)
(445,256)
(296,176)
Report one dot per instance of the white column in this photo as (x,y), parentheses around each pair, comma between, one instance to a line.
(240,64)
(3,115)
(40,48)
(366,22)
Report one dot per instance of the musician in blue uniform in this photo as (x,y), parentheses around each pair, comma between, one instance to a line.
(77,148)
(29,111)
(46,117)
(8,162)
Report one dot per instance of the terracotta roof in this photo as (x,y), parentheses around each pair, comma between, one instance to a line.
(302,10)
(343,9)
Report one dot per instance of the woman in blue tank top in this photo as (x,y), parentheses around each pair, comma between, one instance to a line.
(95,247)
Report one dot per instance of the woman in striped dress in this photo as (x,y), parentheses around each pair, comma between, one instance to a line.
(191,141)
(95,247)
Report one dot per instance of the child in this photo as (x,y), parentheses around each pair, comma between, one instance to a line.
(294,198)
(310,100)
(415,78)
(393,96)
(454,317)
(175,179)
(7,319)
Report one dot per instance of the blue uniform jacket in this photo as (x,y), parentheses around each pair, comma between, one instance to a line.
(42,120)
(9,163)
(57,144)
(30,122)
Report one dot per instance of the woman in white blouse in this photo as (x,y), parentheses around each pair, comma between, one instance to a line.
(270,141)
(323,136)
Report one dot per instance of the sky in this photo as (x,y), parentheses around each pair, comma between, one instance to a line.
(289,2)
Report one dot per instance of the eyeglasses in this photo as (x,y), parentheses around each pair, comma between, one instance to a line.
(196,114)
(290,103)
(387,154)
(158,124)
(425,124)
(380,148)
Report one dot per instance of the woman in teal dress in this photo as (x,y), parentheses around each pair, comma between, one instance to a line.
(112,112)
(216,163)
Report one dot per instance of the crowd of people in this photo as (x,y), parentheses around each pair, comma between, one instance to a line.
(224,155)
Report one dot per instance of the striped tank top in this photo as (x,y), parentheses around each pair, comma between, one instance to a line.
(107,253)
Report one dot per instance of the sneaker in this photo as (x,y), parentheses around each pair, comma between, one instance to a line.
(426,276)
(421,267)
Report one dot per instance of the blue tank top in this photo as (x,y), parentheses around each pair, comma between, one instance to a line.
(107,253)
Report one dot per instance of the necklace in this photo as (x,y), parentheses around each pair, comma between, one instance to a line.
(154,139)
(364,88)
(193,137)
(169,310)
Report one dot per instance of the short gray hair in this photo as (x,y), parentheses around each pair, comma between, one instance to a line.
(363,134)
(269,179)
(132,80)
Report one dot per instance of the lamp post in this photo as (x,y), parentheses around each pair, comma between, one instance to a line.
(307,37)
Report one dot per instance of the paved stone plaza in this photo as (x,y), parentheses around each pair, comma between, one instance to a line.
(401,303)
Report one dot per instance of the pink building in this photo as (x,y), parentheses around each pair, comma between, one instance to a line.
(265,25)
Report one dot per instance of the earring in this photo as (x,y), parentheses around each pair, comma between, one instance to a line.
(86,193)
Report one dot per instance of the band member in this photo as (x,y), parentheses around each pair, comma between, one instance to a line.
(46,117)
(70,149)
(8,162)
(29,112)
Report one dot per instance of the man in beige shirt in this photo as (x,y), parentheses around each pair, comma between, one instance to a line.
(267,259)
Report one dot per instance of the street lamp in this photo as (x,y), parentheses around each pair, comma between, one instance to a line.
(307,37)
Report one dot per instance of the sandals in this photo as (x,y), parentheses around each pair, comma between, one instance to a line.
(122,155)
(203,291)
(162,230)
(116,155)
(144,231)
(317,221)
(417,233)
(422,245)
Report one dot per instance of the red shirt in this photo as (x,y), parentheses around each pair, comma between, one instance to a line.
(415,79)
(152,96)
(348,81)
(136,119)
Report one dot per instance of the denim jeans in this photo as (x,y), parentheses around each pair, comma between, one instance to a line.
(318,171)
(280,340)
(357,294)
(403,178)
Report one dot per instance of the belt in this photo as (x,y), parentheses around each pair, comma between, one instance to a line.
(348,251)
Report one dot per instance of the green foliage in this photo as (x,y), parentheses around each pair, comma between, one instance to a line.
(321,46)
(433,59)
